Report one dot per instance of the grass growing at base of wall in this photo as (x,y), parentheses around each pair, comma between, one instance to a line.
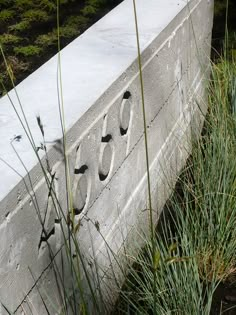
(196,241)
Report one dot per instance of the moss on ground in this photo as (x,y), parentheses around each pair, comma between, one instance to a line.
(28,31)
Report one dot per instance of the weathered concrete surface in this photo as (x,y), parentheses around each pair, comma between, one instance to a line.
(102,101)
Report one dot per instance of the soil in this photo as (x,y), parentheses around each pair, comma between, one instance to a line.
(224,299)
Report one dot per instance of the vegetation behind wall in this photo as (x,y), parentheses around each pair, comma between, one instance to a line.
(28,31)
(219,25)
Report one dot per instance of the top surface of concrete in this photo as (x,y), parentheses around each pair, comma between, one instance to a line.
(90,64)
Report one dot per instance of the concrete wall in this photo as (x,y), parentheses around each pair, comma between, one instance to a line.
(105,141)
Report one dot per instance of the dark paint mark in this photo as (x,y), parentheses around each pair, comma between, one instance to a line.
(81,170)
(107,138)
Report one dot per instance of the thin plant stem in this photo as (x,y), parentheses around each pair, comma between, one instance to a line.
(226,42)
(72,236)
(62,110)
(63,127)
(152,231)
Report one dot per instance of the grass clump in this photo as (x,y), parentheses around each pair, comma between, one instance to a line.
(77,20)
(50,39)
(196,241)
(19,27)
(179,289)
(33,16)
(27,51)
(6,15)
(92,6)
(9,39)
